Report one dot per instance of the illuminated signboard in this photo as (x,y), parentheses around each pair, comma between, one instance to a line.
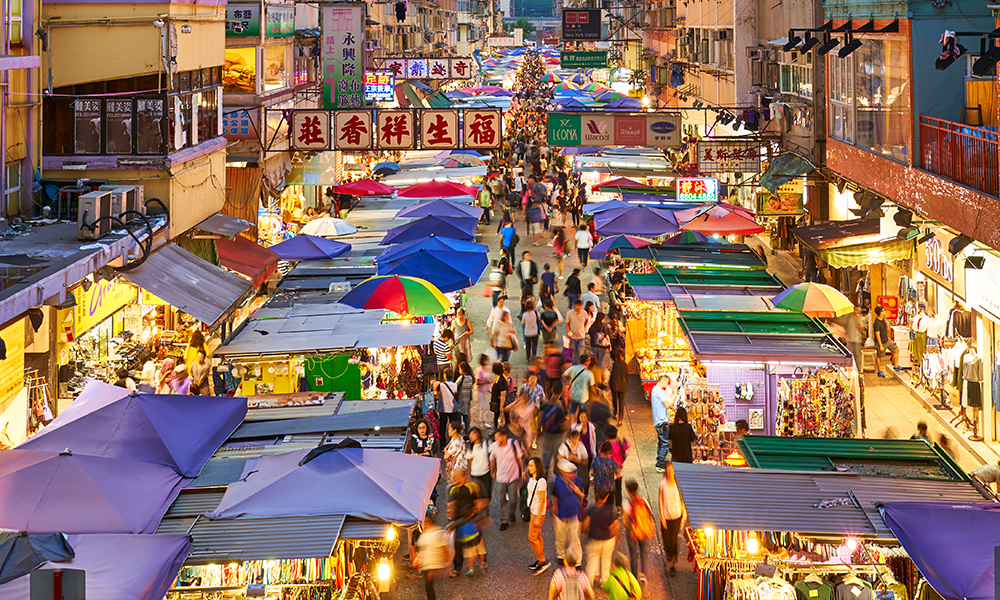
(379,86)
(697,189)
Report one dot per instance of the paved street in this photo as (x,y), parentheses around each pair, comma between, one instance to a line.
(508,552)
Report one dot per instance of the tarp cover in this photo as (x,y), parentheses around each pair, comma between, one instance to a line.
(49,492)
(440,207)
(635,220)
(180,432)
(310,247)
(952,544)
(119,567)
(782,170)
(21,554)
(247,258)
(447,263)
(189,283)
(378,485)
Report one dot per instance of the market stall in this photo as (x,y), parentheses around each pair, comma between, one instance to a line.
(756,529)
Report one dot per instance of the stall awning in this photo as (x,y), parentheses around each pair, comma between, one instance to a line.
(388,418)
(910,459)
(247,258)
(783,169)
(868,254)
(224,225)
(190,284)
(839,233)
(772,323)
(741,280)
(735,256)
(728,498)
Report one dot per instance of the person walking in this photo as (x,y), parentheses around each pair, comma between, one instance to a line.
(463,403)
(588,439)
(619,384)
(498,393)
(536,509)
(498,278)
(640,528)
(527,272)
(531,322)
(600,341)
(456,453)
(572,289)
(550,320)
(601,526)
(505,467)
(581,380)
(479,461)
(446,391)
(672,514)
(570,583)
(605,471)
(508,241)
(884,344)
(548,278)
(576,329)
(589,298)
(462,331)
(619,452)
(566,501)
(559,248)
(682,437)
(584,240)
(486,203)
(662,397)
(442,346)
(621,584)
(432,553)
(467,507)
(504,338)
(484,381)
(551,424)
(496,313)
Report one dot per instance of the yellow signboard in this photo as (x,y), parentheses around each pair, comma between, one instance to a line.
(12,368)
(148,299)
(100,302)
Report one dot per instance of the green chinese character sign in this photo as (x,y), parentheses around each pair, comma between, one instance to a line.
(280,21)
(243,20)
(583,60)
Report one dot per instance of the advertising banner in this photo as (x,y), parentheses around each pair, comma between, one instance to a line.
(380,86)
(657,130)
(788,202)
(729,156)
(583,60)
(280,21)
(581,24)
(396,130)
(243,20)
(343,56)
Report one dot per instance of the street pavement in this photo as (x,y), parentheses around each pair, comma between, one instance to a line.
(508,553)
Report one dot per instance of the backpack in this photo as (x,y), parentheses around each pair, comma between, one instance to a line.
(552,418)
(572,588)
(643,525)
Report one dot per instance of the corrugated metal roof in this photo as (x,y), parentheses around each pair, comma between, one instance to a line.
(909,459)
(717,257)
(389,418)
(194,503)
(774,322)
(818,351)
(652,293)
(218,472)
(720,278)
(274,538)
(331,405)
(723,302)
(763,500)
(223,225)
(359,529)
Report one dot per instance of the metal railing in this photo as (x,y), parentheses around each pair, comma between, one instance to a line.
(962,153)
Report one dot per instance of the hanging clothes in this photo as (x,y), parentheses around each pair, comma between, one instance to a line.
(972,374)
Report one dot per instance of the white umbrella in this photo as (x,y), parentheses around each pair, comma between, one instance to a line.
(328,227)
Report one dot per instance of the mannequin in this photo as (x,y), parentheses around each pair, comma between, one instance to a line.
(972,374)
(919,324)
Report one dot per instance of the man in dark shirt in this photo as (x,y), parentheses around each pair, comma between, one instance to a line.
(884,345)
(463,497)
(600,523)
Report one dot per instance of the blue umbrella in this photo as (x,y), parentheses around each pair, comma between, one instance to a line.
(447,153)
(431,242)
(310,247)
(626,103)
(441,208)
(460,228)
(597,207)
(454,95)
(574,150)
(572,103)
(21,553)
(386,168)
(439,262)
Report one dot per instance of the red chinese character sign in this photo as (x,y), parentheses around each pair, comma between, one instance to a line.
(310,130)
(697,189)
(396,66)
(482,128)
(438,68)
(396,130)
(462,68)
(729,156)
(438,129)
(352,130)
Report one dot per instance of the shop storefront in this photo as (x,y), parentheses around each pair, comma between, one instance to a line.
(983,286)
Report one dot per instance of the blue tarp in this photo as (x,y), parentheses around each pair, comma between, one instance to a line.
(952,544)
(433,242)
(459,228)
(180,432)
(310,247)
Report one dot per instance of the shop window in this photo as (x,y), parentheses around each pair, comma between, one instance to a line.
(12,193)
(14,17)
(276,63)
(149,124)
(240,74)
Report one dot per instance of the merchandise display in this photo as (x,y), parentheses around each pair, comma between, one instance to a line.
(817,405)
(706,414)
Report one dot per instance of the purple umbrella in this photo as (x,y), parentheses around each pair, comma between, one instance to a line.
(119,567)
(310,247)
(637,220)
(180,432)
(441,208)
(952,544)
(49,492)
(624,103)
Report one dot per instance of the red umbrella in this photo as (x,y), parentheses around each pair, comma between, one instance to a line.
(718,218)
(365,187)
(621,182)
(438,189)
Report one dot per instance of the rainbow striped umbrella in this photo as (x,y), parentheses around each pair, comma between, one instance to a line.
(608,96)
(566,85)
(550,78)
(403,295)
(815,300)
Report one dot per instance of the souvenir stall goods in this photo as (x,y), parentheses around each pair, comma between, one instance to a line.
(706,414)
(654,336)
(818,404)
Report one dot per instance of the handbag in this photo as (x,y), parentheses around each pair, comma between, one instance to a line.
(526,503)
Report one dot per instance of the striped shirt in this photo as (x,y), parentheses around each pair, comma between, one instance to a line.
(441,350)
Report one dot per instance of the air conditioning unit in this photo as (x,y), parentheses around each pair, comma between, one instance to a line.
(125,198)
(93,206)
(761,53)
(371,45)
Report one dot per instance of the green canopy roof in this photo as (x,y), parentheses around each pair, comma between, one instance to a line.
(758,323)
(906,459)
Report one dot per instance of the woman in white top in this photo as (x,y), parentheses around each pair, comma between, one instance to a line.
(672,514)
(536,506)
(479,460)
(530,321)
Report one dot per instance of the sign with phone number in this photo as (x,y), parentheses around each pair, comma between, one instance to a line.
(380,86)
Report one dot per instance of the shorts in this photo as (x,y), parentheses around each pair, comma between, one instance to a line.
(474,551)
(890,347)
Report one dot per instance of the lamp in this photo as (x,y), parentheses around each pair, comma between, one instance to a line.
(809,44)
(975,262)
(86,283)
(793,41)
(987,59)
(842,185)
(829,45)
(958,244)
(69,302)
(903,218)
(908,233)
(928,236)
(852,45)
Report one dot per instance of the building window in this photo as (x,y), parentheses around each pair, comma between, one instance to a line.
(12,194)
(869,98)
(14,28)
(797,76)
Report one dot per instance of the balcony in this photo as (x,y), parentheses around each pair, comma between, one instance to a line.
(964,154)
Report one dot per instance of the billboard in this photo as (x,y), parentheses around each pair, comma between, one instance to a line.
(581,24)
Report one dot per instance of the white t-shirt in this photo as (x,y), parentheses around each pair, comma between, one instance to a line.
(479,459)
(581,451)
(530,321)
(584,239)
(535,489)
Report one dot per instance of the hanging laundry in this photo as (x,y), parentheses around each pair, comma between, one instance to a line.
(676,75)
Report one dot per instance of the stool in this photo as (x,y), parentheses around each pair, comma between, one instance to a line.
(866,355)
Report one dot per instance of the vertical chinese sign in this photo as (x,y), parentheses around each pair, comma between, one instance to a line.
(343,56)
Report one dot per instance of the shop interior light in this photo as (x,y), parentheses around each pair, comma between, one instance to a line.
(391,535)
(908,233)
(852,544)
(752,545)
(975,262)
(928,236)
(709,532)
(827,46)
(793,41)
(383,570)
(989,57)
(809,44)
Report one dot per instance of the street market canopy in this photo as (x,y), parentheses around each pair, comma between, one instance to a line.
(61,492)
(180,432)
(438,189)
(224,225)
(459,228)
(310,247)
(741,499)
(908,459)
(118,566)
(853,243)
(440,207)
(378,485)
(707,256)
(715,277)
(247,258)
(783,169)
(635,220)
(21,554)
(953,545)
(365,187)
(449,264)
(190,284)
(759,337)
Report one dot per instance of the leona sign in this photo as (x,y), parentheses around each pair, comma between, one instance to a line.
(659,130)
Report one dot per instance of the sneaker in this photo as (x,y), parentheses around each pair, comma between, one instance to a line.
(899,368)
(503,527)
(533,566)
(469,573)
(662,469)
(561,277)
(455,573)
(642,579)
(542,568)
(881,374)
